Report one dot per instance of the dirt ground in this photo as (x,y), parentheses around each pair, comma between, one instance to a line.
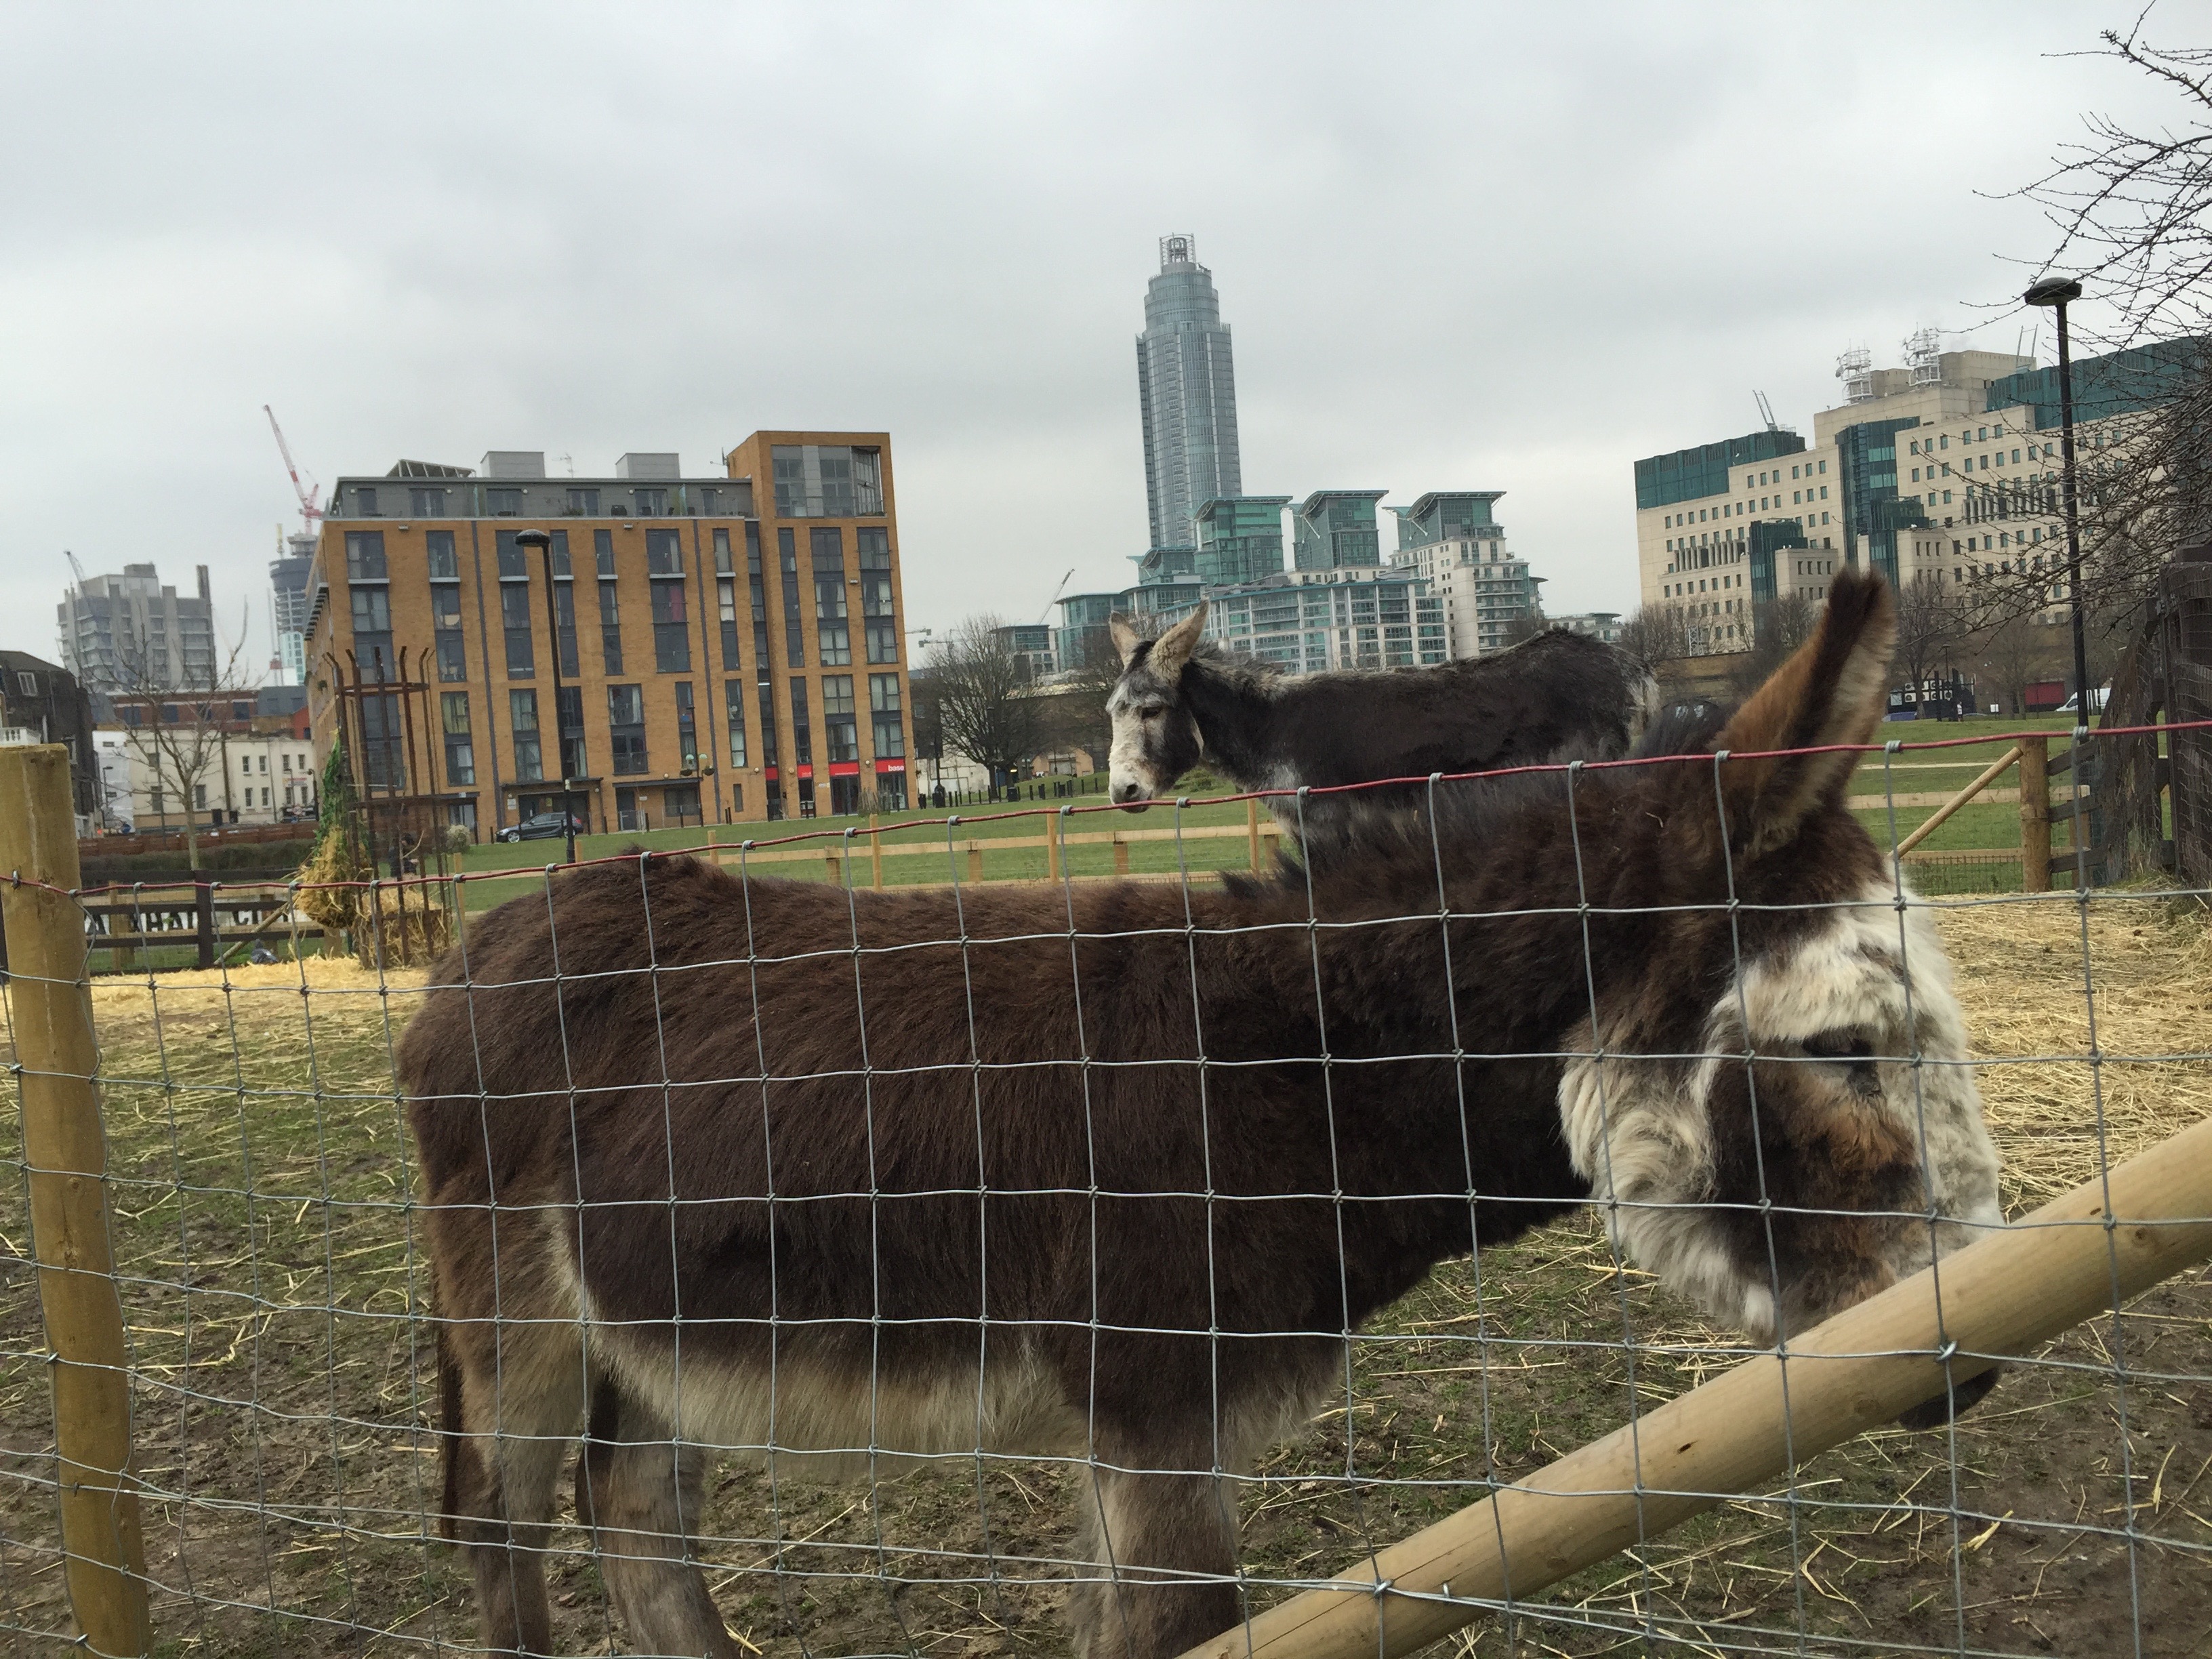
(284,1388)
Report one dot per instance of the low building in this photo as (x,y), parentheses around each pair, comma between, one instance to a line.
(42,703)
(729,648)
(1596,624)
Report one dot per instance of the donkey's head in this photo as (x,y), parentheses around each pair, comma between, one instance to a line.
(1823,1138)
(1155,739)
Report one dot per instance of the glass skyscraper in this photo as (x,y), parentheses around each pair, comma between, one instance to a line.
(1188,387)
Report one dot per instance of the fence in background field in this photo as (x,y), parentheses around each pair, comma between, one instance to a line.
(218,1427)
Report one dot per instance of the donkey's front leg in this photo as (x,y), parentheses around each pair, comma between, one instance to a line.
(1164,1550)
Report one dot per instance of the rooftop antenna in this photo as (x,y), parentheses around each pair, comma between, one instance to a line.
(1854,368)
(569,462)
(1923,355)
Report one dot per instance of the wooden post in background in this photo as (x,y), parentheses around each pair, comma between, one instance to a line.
(63,1144)
(1252,831)
(875,850)
(975,861)
(1051,849)
(2035,815)
(1120,855)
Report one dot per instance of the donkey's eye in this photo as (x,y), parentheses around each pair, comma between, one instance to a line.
(1152,714)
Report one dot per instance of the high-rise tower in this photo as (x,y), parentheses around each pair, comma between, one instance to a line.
(1188,387)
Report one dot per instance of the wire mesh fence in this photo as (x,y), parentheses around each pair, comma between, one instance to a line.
(730,1265)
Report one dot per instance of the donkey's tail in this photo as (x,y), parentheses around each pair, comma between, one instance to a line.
(450,1426)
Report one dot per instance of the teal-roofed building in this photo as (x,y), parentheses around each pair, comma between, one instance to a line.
(1443,513)
(1335,529)
(1240,538)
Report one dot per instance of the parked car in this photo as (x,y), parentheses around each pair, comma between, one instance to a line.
(541,826)
(2096,702)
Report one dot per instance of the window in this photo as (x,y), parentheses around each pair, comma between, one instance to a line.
(428,502)
(884,708)
(876,606)
(733,711)
(564,607)
(687,728)
(834,633)
(364,551)
(652,503)
(445,621)
(364,505)
(515,620)
(672,630)
(839,720)
(514,558)
(802,730)
(584,503)
(461,751)
(611,626)
(529,756)
(438,548)
(626,724)
(794,634)
(570,706)
(759,593)
(603,552)
(664,552)
(372,610)
(503,503)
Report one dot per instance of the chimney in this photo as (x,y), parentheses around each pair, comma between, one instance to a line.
(201,570)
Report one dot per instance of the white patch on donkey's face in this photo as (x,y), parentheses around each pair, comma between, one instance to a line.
(1641,1131)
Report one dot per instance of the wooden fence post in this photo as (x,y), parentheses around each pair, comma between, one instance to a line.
(1252,831)
(2035,815)
(1051,850)
(202,921)
(65,1151)
(975,861)
(875,850)
(1120,855)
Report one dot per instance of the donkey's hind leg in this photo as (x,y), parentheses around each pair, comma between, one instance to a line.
(522,1396)
(641,1493)
(1164,1550)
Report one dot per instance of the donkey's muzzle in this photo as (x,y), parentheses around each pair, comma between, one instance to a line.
(1130,797)
(1960,1398)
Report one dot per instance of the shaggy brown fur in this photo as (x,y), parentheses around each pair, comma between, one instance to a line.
(1108,1174)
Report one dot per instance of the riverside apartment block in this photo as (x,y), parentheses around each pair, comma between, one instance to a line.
(730,647)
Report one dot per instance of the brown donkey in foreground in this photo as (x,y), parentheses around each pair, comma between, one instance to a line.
(833,1177)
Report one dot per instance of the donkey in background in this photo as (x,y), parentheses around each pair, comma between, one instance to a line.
(829,1178)
(1557,696)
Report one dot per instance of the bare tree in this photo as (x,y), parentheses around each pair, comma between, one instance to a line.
(1778,626)
(2133,214)
(1930,629)
(1526,626)
(986,706)
(181,729)
(1656,634)
(2013,652)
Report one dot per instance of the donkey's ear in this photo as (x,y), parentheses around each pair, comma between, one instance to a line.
(1832,691)
(1173,649)
(1125,636)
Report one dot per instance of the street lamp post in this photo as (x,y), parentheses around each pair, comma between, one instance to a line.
(2056,293)
(543,543)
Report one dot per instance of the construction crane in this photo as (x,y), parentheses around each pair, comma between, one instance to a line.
(1766,412)
(1045,615)
(309,510)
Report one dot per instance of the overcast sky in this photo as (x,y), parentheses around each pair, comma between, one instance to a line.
(1492,246)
